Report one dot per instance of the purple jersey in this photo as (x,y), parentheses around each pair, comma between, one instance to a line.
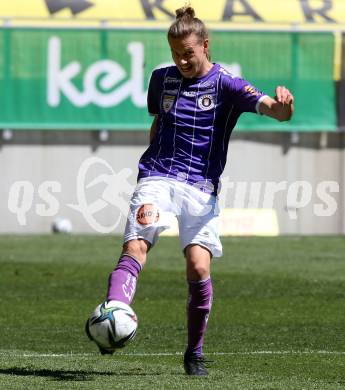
(195,120)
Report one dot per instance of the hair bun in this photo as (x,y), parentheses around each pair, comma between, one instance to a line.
(185,12)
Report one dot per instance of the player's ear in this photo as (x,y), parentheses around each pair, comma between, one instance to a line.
(206,44)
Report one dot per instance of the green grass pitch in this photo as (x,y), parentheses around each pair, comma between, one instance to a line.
(278,319)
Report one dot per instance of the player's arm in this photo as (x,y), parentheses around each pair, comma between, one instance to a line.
(281,107)
(154,99)
(153,128)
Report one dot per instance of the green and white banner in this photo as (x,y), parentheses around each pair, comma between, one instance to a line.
(98,79)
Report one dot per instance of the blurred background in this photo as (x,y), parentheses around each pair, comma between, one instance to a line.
(73,118)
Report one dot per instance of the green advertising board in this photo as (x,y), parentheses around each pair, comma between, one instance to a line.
(98,79)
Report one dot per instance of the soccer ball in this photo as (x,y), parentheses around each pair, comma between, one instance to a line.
(62,225)
(112,325)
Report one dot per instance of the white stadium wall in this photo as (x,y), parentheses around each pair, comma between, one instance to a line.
(80,177)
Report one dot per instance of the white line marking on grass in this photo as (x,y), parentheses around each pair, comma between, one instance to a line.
(241,353)
(280,353)
(34,354)
(148,354)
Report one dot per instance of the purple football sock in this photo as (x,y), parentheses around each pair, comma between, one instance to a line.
(198,310)
(122,281)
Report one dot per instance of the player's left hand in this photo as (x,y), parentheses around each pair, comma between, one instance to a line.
(284,96)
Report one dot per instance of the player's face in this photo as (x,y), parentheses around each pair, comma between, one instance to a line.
(189,55)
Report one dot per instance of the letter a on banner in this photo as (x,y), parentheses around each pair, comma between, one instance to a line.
(248,10)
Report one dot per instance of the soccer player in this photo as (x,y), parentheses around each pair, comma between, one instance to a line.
(195,105)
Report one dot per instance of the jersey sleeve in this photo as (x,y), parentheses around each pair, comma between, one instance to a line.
(154,93)
(245,96)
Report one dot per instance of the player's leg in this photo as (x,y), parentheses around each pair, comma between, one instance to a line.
(200,293)
(123,280)
(145,221)
(200,241)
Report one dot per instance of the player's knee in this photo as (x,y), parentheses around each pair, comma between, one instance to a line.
(137,248)
(197,271)
(198,262)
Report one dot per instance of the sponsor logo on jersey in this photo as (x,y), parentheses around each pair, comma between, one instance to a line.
(147,214)
(250,89)
(168,102)
(188,93)
(169,79)
(206,102)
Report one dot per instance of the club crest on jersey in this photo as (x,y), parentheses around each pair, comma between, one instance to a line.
(206,102)
(168,102)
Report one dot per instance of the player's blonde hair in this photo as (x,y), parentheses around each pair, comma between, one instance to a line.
(186,24)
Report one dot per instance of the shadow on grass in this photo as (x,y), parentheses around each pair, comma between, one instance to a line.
(68,375)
